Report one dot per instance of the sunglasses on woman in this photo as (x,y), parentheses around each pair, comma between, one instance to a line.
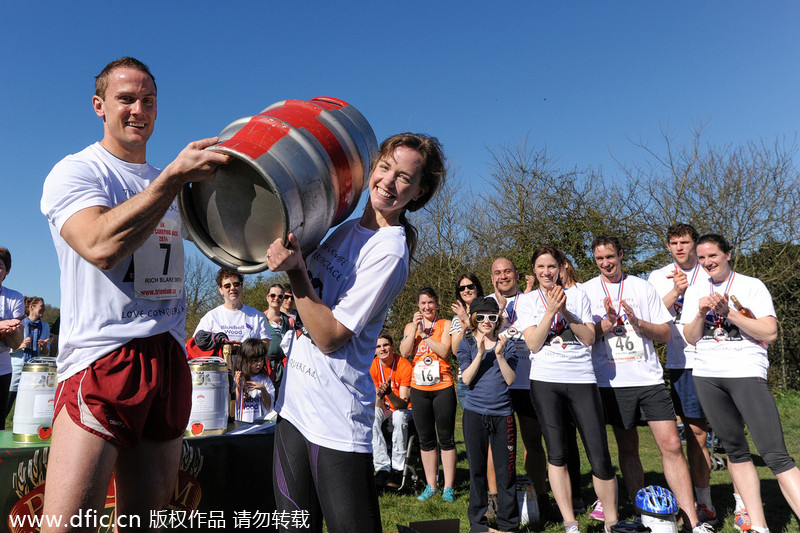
(491,318)
(278,296)
(470,287)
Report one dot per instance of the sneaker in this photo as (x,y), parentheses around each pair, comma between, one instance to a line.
(703,527)
(704,514)
(741,520)
(491,509)
(597,513)
(427,494)
(578,507)
(448,495)
(573,529)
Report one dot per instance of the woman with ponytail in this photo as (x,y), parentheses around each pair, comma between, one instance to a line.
(342,291)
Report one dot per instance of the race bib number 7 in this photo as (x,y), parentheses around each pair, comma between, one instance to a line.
(158,264)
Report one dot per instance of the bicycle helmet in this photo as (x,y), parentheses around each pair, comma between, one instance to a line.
(656,501)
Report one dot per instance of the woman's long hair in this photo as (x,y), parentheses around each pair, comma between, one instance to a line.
(433,174)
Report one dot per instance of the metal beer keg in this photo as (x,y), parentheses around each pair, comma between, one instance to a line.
(297,167)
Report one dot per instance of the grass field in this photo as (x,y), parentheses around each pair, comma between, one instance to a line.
(405,508)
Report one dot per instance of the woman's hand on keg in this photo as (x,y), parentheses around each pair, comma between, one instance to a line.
(282,259)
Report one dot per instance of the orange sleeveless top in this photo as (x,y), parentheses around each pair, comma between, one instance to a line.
(423,355)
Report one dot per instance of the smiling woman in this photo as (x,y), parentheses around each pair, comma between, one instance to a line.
(323,459)
(426,341)
(730,372)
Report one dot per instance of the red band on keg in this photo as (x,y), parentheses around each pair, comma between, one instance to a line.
(257,136)
(302,114)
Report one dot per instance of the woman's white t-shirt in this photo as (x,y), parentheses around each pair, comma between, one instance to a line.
(734,354)
(330,398)
(563,358)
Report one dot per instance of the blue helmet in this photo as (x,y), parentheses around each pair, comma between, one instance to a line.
(656,501)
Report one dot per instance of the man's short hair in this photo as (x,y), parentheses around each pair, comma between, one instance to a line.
(607,240)
(5,257)
(225,273)
(386,335)
(101,80)
(680,229)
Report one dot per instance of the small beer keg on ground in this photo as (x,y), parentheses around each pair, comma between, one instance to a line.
(33,414)
(210,397)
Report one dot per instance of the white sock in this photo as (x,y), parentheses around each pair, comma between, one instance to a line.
(739,503)
(704,496)
(760,529)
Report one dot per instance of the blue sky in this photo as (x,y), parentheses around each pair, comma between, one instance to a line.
(583,79)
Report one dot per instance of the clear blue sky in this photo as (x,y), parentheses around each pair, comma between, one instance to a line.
(580,78)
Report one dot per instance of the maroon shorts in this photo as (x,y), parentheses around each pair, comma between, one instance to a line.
(141,390)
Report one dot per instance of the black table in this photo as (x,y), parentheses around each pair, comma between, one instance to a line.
(224,483)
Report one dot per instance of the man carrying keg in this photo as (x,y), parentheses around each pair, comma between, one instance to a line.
(124,392)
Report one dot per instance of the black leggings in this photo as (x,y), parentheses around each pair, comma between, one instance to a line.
(726,401)
(499,433)
(552,401)
(434,412)
(319,482)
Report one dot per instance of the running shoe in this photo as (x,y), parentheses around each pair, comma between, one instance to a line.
(704,514)
(597,513)
(427,494)
(741,520)
(573,529)
(448,495)
(491,508)
(703,527)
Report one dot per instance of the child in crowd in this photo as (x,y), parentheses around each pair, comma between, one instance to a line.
(254,390)
(488,363)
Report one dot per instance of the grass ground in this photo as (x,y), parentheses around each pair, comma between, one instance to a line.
(405,508)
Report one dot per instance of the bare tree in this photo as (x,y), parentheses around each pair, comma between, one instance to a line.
(200,289)
(750,193)
(529,202)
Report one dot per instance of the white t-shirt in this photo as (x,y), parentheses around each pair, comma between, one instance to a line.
(12,305)
(330,398)
(680,354)
(511,329)
(238,325)
(627,359)
(563,357)
(736,354)
(102,310)
(250,406)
